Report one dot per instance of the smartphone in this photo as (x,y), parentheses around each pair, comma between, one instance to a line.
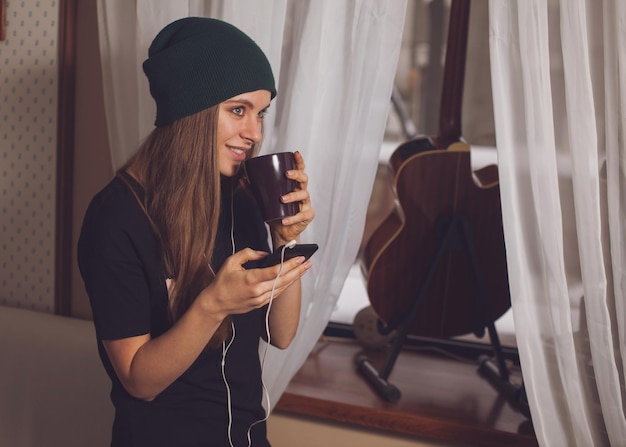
(305,250)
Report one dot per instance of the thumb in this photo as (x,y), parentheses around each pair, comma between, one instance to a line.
(247,254)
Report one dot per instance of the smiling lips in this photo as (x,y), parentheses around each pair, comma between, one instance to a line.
(240,154)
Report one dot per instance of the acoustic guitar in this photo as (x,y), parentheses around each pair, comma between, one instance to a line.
(439,196)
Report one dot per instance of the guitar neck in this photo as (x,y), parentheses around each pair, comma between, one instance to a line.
(454,74)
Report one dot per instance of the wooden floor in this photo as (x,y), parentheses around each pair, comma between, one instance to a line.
(443,399)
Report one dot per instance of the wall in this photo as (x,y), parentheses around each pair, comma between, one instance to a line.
(28,120)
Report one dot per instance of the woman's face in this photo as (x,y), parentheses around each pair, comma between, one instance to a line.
(239,128)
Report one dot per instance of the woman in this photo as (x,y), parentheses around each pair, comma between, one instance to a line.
(168,249)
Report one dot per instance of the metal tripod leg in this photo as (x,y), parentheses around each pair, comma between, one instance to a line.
(379,379)
(496,373)
(487,318)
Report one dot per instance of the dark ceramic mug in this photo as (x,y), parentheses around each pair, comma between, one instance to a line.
(268,181)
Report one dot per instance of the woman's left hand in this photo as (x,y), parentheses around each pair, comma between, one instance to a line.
(289,228)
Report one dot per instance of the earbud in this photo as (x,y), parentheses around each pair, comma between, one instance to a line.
(291,243)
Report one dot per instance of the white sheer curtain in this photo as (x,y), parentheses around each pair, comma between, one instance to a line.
(559,87)
(335,63)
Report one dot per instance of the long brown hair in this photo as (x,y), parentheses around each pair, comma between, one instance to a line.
(179,169)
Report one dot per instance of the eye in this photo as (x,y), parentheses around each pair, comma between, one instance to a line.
(238,110)
(263,113)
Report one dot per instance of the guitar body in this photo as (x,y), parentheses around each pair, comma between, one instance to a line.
(433,185)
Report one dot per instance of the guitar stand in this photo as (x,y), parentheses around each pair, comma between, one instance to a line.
(456,232)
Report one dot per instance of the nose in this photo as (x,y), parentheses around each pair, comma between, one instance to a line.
(252,129)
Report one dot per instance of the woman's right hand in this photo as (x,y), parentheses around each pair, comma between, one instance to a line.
(236,290)
(138,361)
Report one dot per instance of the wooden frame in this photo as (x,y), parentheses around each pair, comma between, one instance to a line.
(65,156)
(3,18)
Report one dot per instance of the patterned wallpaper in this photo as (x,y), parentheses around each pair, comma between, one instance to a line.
(28,119)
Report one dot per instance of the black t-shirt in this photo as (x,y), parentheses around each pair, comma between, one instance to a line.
(120,261)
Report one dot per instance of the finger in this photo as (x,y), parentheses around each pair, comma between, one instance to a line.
(270,273)
(296,196)
(247,254)
(278,278)
(305,216)
(298,176)
(287,279)
(299,160)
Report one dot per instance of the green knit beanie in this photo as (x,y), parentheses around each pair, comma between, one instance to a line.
(195,63)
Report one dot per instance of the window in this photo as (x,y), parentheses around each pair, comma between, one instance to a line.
(415,112)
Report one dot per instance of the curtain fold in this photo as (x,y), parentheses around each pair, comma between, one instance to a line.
(339,63)
(126,29)
(334,64)
(558,87)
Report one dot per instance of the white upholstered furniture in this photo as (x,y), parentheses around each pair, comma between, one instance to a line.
(53,389)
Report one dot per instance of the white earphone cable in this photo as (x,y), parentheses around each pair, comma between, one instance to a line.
(229,403)
(269,339)
(226,347)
